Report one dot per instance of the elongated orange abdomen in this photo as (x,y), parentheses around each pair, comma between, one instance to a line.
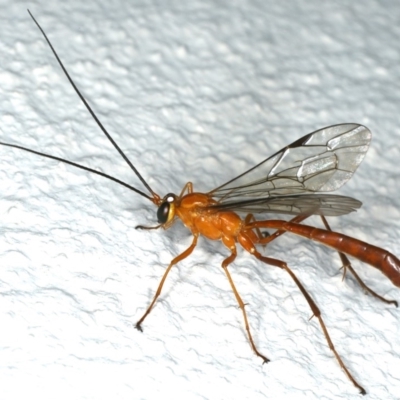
(379,258)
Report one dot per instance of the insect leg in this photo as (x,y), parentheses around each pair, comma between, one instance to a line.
(314,309)
(347,266)
(187,188)
(148,227)
(181,257)
(225,264)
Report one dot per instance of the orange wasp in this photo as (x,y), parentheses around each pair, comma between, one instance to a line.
(289,182)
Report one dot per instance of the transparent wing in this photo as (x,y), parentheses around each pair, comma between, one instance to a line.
(321,204)
(321,161)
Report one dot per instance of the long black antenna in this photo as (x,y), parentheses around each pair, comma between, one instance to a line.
(79,166)
(98,123)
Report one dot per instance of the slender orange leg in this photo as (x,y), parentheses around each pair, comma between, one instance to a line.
(225,264)
(314,309)
(187,188)
(347,266)
(181,257)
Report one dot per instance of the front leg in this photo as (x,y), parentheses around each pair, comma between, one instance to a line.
(148,227)
(181,257)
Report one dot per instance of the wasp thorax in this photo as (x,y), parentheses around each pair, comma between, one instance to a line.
(166,211)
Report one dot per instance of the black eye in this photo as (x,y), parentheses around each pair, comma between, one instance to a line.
(162,212)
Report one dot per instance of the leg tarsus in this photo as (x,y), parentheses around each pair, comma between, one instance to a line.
(143,227)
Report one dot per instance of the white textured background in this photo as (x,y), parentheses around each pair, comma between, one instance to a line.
(194,90)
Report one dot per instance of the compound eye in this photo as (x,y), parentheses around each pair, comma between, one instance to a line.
(163,212)
(166,211)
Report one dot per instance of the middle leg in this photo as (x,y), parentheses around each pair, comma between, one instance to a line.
(230,243)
